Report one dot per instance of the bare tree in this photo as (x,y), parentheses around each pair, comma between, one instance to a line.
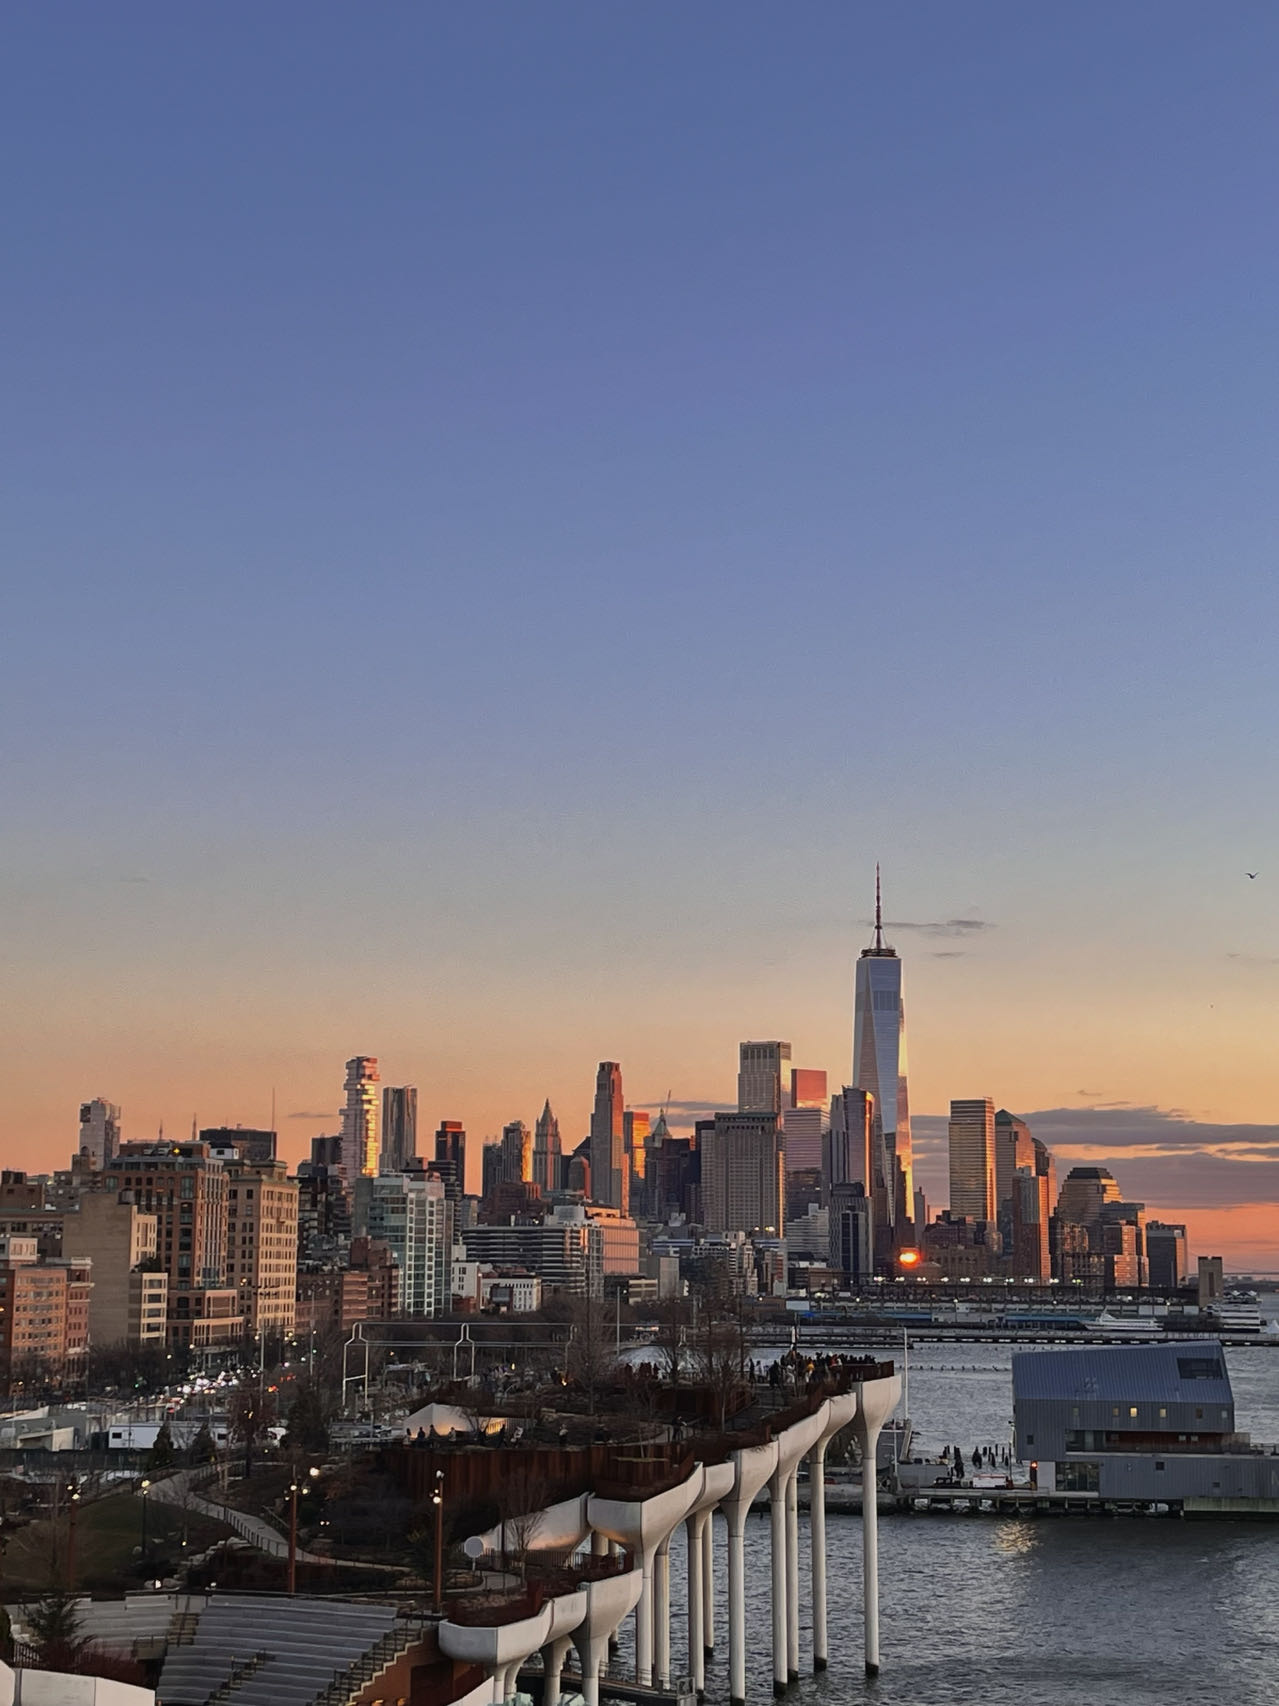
(722,1355)
(590,1355)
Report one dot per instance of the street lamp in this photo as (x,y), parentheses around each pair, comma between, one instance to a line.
(73,1508)
(437,1499)
(145,1489)
(296,1487)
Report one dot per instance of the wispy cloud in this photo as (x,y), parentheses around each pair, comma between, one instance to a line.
(303,1114)
(1254,959)
(1159,1155)
(936,926)
(947,953)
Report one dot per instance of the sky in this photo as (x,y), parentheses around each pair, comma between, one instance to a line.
(508,512)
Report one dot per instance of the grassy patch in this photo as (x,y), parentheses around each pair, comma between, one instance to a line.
(108,1538)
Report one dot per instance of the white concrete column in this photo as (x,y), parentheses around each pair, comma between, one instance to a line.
(876,1400)
(693,1527)
(644,1625)
(553,1656)
(777,1515)
(817,1536)
(792,1575)
(708,1585)
(662,1615)
(599,1544)
(591,1650)
(736,1519)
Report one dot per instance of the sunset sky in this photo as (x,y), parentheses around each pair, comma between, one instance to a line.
(510,511)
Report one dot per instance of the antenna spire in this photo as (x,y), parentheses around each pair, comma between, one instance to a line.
(879,914)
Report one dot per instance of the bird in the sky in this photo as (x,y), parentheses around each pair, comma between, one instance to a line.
(1252,874)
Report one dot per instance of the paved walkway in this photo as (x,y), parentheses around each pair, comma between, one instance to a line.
(180,1489)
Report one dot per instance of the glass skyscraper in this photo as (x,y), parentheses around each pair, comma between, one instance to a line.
(879,1066)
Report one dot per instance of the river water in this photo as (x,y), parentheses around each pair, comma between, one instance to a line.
(1048,1612)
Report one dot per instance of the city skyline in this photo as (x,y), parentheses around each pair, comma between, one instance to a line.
(939,335)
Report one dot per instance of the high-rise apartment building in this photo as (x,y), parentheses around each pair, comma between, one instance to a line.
(610,1169)
(517,1153)
(359,1117)
(850,1145)
(399,1127)
(546,1150)
(262,1243)
(129,1301)
(743,1173)
(879,1067)
(44,1314)
(850,1233)
(99,1133)
(186,1190)
(971,1139)
(409,1213)
(763,1074)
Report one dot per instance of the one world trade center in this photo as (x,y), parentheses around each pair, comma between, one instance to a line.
(879,1067)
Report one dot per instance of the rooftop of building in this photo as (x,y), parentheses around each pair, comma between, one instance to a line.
(1178,1373)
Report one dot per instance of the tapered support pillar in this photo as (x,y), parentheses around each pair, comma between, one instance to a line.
(777,1515)
(553,1655)
(590,1651)
(876,1400)
(599,1544)
(693,1527)
(736,1519)
(817,1536)
(792,1575)
(708,1585)
(662,1615)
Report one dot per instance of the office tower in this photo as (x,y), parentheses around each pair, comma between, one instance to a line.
(1123,1236)
(610,1175)
(1212,1282)
(971,1135)
(804,1129)
(547,1155)
(99,1132)
(359,1117)
(1046,1168)
(760,1079)
(849,1144)
(450,1145)
(879,1065)
(517,1153)
(1166,1263)
(1014,1148)
(851,1238)
(1028,1246)
(921,1213)
(262,1243)
(808,1088)
(1083,1195)
(743,1173)
(409,1213)
(491,1157)
(399,1127)
(249,1142)
(129,1300)
(326,1151)
(636,1134)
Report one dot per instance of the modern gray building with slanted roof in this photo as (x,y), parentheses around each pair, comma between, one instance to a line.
(1148,1423)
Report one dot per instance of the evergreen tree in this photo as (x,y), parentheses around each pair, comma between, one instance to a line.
(308,1429)
(163,1453)
(203,1448)
(55,1623)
